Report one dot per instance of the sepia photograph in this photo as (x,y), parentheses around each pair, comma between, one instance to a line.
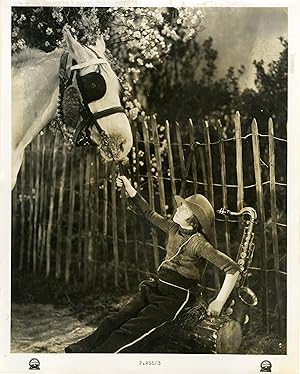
(148,210)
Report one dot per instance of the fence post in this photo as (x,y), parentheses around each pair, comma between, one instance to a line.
(22,224)
(161,187)
(36,204)
(261,220)
(136,222)
(51,207)
(68,257)
(86,223)
(151,192)
(239,161)
(274,223)
(180,149)
(194,162)
(47,167)
(30,177)
(224,186)
(96,225)
(41,210)
(171,163)
(105,226)
(60,214)
(114,223)
(210,187)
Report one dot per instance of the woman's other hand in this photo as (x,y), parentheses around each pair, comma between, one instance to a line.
(214,308)
(123,181)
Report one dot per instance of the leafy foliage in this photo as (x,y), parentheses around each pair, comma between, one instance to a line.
(136,38)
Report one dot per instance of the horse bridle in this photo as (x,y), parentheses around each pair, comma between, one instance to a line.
(92,87)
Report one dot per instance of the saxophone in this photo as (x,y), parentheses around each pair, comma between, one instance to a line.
(243,297)
(223,334)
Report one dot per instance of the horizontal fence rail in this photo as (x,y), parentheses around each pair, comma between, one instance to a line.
(69,221)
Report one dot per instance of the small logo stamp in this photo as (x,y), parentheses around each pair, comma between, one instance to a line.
(266,366)
(34,364)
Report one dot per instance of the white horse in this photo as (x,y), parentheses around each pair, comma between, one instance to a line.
(35,89)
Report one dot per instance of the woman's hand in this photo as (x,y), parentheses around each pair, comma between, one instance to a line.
(123,181)
(214,308)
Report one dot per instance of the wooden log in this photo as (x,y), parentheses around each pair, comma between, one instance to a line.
(262,243)
(194,332)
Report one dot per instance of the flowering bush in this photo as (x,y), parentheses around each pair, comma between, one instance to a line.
(137,38)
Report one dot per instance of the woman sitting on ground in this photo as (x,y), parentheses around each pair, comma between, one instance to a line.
(159,301)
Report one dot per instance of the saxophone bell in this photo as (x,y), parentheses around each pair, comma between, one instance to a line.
(246,299)
(247,296)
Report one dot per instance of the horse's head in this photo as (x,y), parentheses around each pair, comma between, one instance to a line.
(99,86)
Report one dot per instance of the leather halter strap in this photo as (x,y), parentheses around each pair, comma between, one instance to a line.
(89,118)
(89,63)
(103,113)
(108,112)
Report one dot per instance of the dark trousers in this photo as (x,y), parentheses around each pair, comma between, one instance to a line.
(140,320)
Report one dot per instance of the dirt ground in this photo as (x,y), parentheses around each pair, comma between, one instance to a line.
(44,328)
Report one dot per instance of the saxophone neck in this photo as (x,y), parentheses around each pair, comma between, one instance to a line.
(247,210)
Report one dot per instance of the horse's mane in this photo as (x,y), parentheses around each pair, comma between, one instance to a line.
(28,56)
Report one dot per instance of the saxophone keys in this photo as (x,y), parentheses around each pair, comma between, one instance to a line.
(247,319)
(229,311)
(243,254)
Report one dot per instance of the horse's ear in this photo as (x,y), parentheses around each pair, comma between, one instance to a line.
(76,50)
(100,44)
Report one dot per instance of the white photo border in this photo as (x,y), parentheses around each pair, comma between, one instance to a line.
(133,363)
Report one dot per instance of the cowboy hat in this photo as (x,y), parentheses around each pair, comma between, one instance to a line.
(202,210)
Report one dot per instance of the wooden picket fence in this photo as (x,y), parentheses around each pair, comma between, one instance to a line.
(70,222)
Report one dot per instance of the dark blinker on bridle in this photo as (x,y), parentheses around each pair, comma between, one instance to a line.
(92,87)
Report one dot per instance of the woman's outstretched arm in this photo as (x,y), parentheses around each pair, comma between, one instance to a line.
(144,208)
